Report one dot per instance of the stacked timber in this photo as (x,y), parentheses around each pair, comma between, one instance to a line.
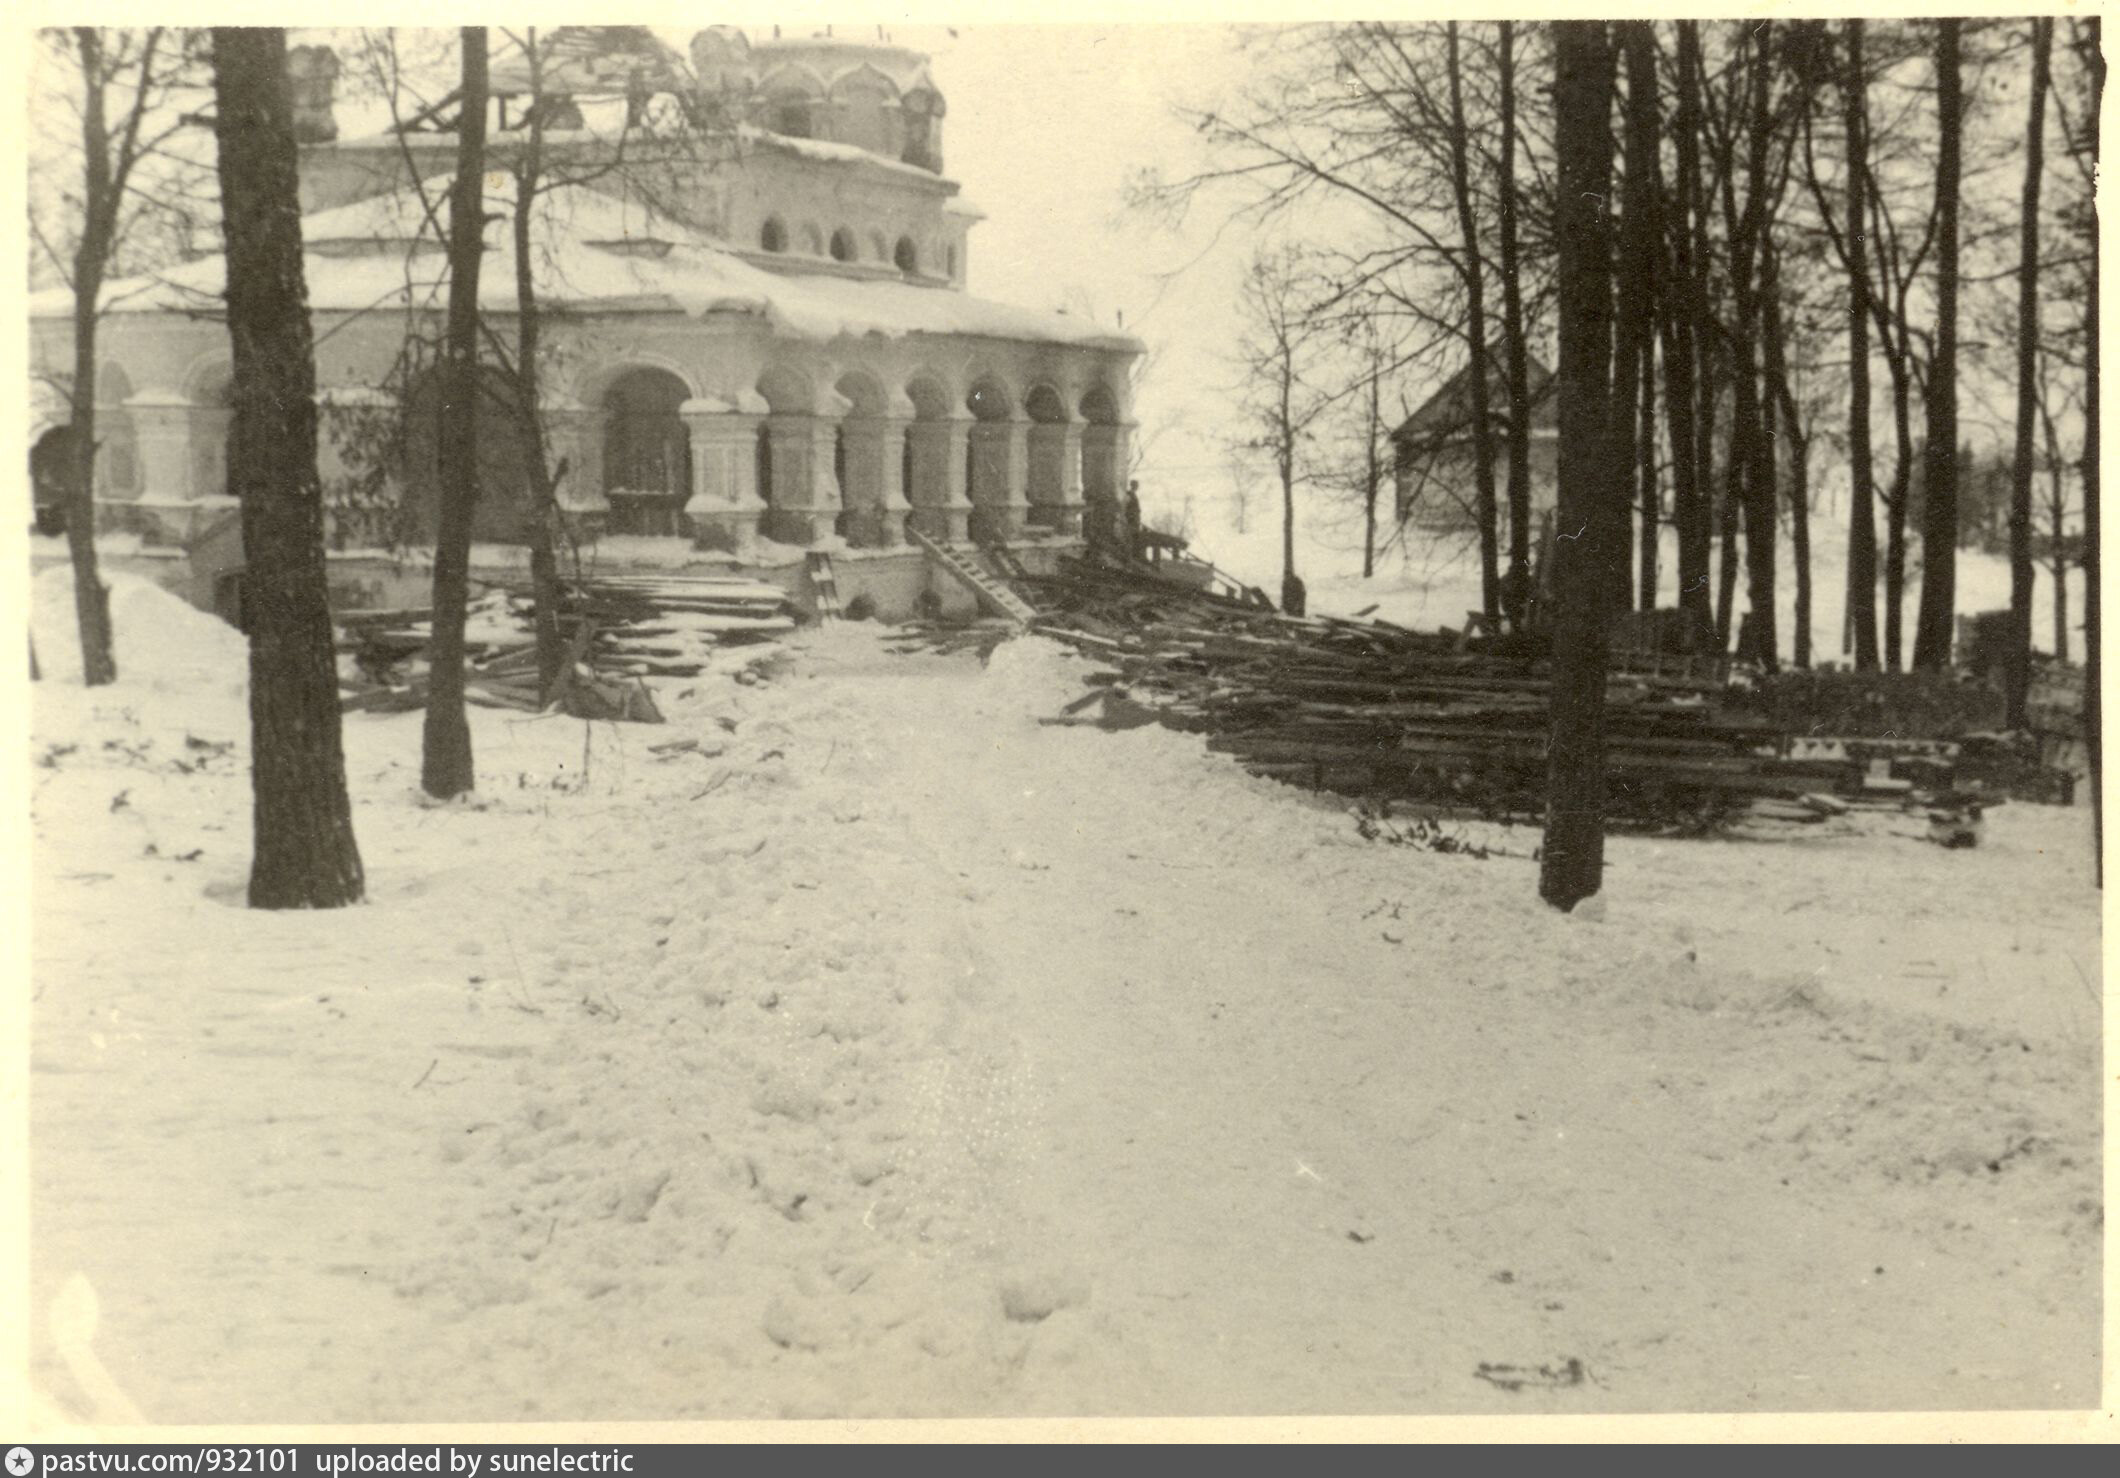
(1373,709)
(617,629)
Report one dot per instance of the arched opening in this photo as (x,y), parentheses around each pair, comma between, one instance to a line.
(1047,482)
(647,452)
(501,513)
(212,418)
(792,116)
(906,255)
(1103,456)
(773,235)
(860,460)
(843,249)
(989,450)
(51,473)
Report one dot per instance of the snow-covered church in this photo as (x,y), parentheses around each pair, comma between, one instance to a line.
(758,339)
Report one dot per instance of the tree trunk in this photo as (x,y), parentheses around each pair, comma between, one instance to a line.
(1518,585)
(1592,487)
(530,414)
(1784,396)
(2057,558)
(1481,368)
(1693,496)
(1755,405)
(1374,473)
(100,204)
(1862,474)
(446,767)
(1635,321)
(2019,673)
(1939,484)
(1651,500)
(303,852)
(2093,703)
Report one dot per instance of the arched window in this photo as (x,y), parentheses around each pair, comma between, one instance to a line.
(907,256)
(792,118)
(647,455)
(773,236)
(843,249)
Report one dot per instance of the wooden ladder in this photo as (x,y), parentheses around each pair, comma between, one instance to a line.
(824,584)
(991,593)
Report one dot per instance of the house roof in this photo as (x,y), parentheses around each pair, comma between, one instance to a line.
(1448,412)
(591,251)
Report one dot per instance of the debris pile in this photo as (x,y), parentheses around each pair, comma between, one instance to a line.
(1372,709)
(618,630)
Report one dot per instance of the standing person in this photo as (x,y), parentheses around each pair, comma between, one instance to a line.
(1132,514)
(1293,596)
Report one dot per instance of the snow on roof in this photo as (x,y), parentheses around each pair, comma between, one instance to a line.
(828,152)
(591,251)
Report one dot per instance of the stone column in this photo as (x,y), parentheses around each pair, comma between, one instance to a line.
(892,508)
(726,503)
(804,498)
(873,449)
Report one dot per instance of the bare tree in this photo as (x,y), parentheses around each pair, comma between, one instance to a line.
(445,760)
(1639,233)
(127,80)
(2019,671)
(1475,333)
(303,853)
(1517,586)
(1284,392)
(1933,630)
(1592,509)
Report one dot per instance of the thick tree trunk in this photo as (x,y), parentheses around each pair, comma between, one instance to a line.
(446,765)
(1799,441)
(1755,404)
(1476,338)
(1939,504)
(2019,673)
(1693,508)
(303,853)
(1639,229)
(1651,499)
(1862,473)
(1518,585)
(1592,486)
(100,206)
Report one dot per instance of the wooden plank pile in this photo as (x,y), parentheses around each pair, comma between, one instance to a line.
(619,630)
(1369,708)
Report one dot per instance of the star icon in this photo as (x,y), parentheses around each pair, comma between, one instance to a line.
(20,1461)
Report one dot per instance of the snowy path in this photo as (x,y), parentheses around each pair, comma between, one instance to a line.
(895,1055)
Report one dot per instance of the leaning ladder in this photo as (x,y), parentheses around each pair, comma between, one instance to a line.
(990,592)
(824,584)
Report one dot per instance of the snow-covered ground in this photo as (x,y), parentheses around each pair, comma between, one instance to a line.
(885,1052)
